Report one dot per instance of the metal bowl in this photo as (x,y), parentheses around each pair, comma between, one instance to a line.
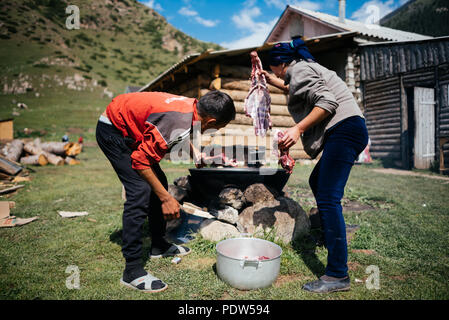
(245,273)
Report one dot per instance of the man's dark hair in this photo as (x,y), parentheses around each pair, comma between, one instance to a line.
(218,105)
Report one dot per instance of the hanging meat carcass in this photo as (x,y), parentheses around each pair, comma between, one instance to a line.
(258,100)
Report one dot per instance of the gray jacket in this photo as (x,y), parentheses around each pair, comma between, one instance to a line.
(310,85)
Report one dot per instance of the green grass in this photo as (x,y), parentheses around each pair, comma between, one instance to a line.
(406,240)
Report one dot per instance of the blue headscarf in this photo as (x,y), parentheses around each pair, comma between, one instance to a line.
(287,52)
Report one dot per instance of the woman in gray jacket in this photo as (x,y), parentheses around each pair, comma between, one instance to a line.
(327,119)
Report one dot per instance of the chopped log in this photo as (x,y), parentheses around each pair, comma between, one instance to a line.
(57,148)
(74,149)
(54,159)
(36,160)
(71,161)
(31,148)
(14,150)
(9,167)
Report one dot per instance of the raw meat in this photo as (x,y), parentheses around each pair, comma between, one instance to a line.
(221,160)
(286,161)
(255,258)
(258,100)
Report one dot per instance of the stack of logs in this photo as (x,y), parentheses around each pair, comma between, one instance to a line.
(41,153)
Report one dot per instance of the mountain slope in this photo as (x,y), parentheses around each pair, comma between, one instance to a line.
(119,43)
(429,17)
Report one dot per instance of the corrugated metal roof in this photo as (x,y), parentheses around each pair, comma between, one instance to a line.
(369,30)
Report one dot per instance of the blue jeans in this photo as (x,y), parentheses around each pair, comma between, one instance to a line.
(342,145)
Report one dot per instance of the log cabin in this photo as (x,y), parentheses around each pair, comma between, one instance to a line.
(229,71)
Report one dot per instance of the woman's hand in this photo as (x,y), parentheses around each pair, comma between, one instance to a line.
(291,137)
(271,78)
(275,81)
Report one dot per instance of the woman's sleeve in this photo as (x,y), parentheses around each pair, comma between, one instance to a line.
(307,85)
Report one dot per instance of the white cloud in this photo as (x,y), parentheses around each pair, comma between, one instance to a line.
(253,32)
(205,22)
(153,5)
(256,38)
(309,5)
(276,3)
(306,4)
(372,11)
(188,12)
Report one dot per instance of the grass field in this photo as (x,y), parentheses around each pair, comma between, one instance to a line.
(405,233)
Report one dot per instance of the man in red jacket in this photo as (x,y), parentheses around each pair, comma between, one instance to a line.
(135,132)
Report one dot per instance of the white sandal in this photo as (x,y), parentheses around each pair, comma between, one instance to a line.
(143,284)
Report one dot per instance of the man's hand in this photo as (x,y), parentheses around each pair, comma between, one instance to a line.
(291,137)
(170,208)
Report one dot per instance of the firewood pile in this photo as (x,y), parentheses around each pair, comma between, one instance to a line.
(17,155)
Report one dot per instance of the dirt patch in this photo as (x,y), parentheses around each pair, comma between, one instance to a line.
(76,131)
(352,266)
(399,277)
(354,206)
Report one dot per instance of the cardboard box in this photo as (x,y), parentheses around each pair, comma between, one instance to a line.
(6,129)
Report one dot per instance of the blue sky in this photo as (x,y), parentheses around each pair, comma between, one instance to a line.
(244,23)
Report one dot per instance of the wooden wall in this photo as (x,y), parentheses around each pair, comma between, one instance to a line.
(387,111)
(383,118)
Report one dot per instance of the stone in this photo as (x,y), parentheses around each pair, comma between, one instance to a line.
(232,197)
(283,217)
(182,182)
(178,193)
(228,214)
(259,192)
(214,230)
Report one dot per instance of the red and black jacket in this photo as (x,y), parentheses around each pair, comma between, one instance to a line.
(155,120)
